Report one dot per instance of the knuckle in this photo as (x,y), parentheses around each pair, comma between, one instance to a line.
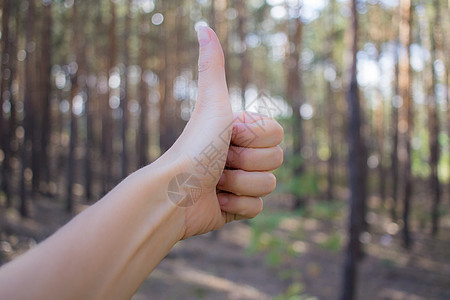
(245,158)
(239,175)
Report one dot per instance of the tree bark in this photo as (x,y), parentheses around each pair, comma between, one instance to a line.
(45,87)
(6,76)
(446,50)
(294,92)
(433,120)
(244,60)
(395,136)
(124,100)
(221,23)
(330,109)
(5,59)
(73,119)
(357,172)
(143,133)
(405,114)
(28,120)
(107,137)
(167,106)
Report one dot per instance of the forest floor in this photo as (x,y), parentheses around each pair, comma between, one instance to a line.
(280,254)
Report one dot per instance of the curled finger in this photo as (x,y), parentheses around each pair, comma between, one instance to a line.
(242,207)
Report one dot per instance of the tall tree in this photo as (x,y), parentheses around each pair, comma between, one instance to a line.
(330,99)
(357,170)
(75,90)
(6,79)
(28,120)
(142,139)
(91,94)
(167,105)
(446,50)
(406,113)
(124,98)
(294,88)
(45,87)
(4,63)
(107,124)
(221,23)
(394,128)
(241,8)
(377,33)
(433,119)
(212,14)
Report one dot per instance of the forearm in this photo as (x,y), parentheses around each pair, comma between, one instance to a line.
(106,251)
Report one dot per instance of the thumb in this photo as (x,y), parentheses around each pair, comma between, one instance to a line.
(212,87)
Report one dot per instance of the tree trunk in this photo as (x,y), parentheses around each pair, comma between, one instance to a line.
(167,107)
(45,87)
(395,136)
(294,92)
(143,133)
(107,137)
(221,23)
(94,125)
(446,50)
(7,67)
(244,61)
(433,120)
(73,119)
(378,33)
(330,109)
(28,120)
(89,144)
(212,15)
(357,172)
(406,114)
(124,100)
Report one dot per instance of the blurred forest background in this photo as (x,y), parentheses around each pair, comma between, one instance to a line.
(92,90)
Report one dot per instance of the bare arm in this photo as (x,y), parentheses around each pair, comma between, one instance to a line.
(106,251)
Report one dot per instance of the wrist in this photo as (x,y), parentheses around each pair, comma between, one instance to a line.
(155,179)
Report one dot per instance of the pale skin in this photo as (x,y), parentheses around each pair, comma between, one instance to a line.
(109,249)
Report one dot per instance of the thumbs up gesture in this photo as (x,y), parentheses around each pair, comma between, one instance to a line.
(224,159)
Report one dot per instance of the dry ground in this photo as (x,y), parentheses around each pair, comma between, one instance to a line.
(277,255)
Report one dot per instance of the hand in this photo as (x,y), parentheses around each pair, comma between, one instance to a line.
(215,138)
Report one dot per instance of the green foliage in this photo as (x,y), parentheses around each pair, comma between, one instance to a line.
(388,263)
(289,274)
(333,242)
(200,292)
(444,167)
(265,239)
(302,185)
(300,233)
(273,246)
(326,210)
(294,292)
